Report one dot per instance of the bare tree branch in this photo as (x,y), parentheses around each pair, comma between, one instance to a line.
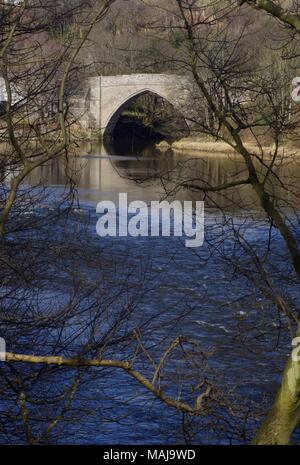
(125,366)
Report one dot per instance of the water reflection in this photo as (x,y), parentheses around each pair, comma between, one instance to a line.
(100,174)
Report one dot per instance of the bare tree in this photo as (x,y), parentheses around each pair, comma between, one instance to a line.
(64,311)
(247,89)
(285,14)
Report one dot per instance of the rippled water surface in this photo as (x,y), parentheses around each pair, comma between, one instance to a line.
(207,291)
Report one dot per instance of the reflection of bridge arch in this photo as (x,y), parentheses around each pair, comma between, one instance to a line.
(108,96)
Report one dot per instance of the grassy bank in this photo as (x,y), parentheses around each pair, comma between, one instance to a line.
(198,144)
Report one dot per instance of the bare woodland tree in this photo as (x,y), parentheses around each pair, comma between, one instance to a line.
(62,341)
(61,322)
(288,13)
(247,90)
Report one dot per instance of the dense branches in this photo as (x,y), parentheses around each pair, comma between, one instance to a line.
(287,17)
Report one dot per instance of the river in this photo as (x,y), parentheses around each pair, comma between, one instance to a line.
(196,294)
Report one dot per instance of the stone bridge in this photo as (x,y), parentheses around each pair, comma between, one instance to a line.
(106,97)
(101,100)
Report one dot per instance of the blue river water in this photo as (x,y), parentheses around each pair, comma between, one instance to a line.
(172,291)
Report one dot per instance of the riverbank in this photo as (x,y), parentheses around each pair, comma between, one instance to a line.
(199,145)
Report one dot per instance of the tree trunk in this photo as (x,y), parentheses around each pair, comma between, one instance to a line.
(284,416)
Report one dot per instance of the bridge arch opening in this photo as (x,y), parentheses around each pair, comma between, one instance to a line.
(144,118)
